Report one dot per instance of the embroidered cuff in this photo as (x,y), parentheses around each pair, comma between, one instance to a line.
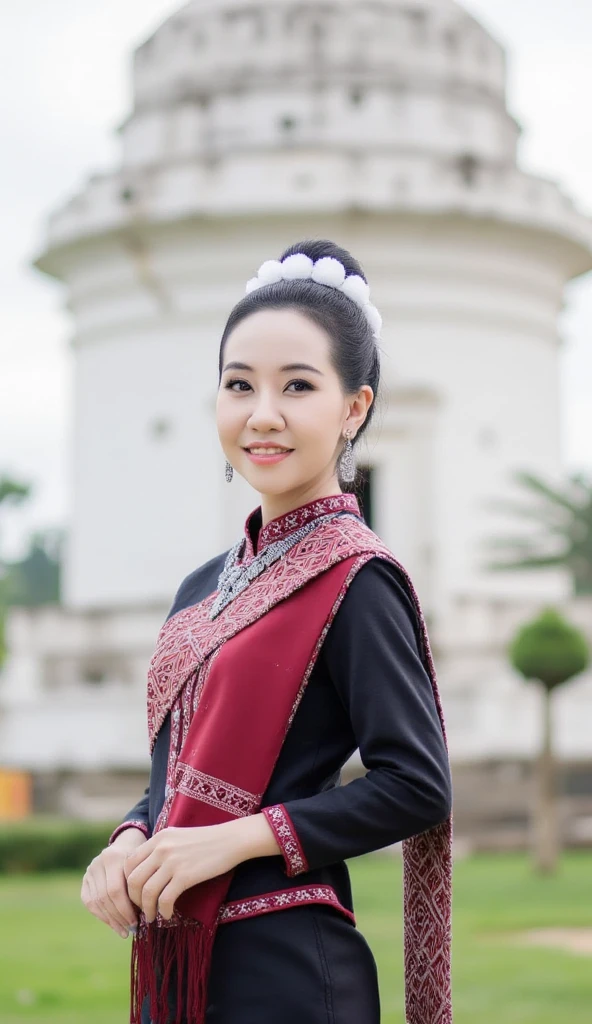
(141,825)
(285,833)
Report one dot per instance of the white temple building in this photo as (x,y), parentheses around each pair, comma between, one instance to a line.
(384,126)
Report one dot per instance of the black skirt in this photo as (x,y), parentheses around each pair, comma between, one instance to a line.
(307,964)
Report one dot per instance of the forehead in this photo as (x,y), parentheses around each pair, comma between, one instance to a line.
(273,335)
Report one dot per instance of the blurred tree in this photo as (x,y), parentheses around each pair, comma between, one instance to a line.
(35,579)
(564,537)
(12,492)
(550,651)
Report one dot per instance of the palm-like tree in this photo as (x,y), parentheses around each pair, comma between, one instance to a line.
(560,534)
(11,493)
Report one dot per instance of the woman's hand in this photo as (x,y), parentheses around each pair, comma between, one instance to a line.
(175,859)
(104,886)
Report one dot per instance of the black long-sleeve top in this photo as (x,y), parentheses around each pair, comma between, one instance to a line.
(369,690)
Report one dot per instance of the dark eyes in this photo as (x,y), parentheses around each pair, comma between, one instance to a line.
(239,386)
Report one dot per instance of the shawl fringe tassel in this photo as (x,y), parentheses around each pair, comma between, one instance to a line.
(157,951)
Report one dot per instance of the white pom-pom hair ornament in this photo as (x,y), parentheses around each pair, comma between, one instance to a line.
(356,288)
(374,318)
(297,267)
(326,271)
(329,271)
(270,272)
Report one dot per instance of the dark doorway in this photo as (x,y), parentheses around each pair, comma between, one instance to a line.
(364,489)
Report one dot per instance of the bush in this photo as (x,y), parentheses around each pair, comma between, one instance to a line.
(549,649)
(50,844)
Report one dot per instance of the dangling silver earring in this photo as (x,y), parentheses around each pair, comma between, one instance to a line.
(347,462)
(229,473)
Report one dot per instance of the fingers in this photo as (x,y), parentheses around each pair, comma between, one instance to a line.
(93,898)
(96,896)
(105,888)
(169,896)
(88,896)
(152,890)
(116,889)
(154,869)
(138,879)
(138,856)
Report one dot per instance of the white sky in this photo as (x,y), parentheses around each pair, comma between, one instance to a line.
(66,65)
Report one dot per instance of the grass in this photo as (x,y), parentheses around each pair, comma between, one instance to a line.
(494,980)
(60,965)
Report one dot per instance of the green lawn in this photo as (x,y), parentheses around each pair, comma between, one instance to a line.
(57,964)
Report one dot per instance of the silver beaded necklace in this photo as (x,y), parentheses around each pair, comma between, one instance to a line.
(235,577)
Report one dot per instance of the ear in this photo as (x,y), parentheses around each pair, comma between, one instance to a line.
(358,409)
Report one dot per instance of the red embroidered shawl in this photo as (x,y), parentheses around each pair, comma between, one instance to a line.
(226,736)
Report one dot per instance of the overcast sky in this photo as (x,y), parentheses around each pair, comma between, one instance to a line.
(66,71)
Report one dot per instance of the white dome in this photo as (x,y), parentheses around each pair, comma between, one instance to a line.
(290,72)
(252,107)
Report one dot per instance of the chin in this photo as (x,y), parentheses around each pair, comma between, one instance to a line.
(270,481)
(265,485)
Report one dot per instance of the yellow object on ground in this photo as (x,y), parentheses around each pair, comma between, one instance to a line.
(15,795)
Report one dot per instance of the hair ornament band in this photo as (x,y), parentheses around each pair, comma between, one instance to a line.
(327,271)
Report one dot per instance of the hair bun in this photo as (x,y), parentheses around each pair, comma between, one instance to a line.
(324,249)
(327,271)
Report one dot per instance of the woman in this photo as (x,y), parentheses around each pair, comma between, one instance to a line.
(278,659)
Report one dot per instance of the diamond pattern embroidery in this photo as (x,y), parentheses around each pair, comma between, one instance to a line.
(215,792)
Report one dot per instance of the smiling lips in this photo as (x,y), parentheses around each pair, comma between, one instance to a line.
(266,455)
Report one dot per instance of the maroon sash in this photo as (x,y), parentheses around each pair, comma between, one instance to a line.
(227,730)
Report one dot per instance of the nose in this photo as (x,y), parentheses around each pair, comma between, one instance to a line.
(266,414)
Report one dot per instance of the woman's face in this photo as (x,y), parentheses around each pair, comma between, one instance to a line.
(281,411)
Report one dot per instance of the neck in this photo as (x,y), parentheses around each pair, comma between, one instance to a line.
(274,505)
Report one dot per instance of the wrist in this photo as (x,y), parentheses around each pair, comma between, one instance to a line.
(253,837)
(130,838)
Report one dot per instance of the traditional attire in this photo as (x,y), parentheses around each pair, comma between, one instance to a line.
(267,675)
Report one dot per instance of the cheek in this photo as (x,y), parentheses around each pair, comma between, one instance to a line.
(228,412)
(319,420)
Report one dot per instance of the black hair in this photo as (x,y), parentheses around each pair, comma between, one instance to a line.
(354,351)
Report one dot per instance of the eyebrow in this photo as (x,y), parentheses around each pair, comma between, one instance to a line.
(283,369)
